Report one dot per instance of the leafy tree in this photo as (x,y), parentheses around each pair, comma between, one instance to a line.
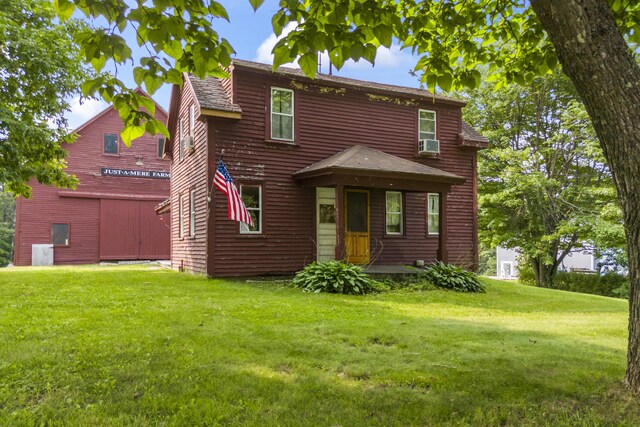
(39,69)
(593,40)
(543,183)
(7,227)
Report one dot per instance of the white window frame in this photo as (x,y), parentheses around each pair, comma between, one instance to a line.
(192,212)
(181,217)
(387,212)
(434,214)
(293,124)
(181,132)
(192,121)
(435,123)
(244,228)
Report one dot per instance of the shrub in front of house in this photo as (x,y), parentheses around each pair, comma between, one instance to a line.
(452,277)
(334,277)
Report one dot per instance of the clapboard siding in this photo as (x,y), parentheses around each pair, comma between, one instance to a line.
(327,120)
(189,252)
(81,208)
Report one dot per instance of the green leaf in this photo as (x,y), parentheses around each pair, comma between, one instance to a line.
(64,9)
(255,4)
(131,132)
(309,64)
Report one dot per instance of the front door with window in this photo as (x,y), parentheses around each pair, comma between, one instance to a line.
(357,226)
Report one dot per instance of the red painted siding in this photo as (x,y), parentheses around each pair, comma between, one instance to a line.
(85,159)
(328,119)
(189,252)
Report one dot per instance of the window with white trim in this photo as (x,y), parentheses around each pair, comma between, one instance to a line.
(281,114)
(433,213)
(394,212)
(181,217)
(252,197)
(426,124)
(181,134)
(192,212)
(192,121)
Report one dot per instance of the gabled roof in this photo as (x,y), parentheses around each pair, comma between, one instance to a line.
(368,161)
(470,134)
(110,107)
(346,82)
(211,94)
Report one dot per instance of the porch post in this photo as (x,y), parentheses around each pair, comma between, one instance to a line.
(443,255)
(340,222)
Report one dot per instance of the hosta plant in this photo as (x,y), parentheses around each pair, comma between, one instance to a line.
(334,277)
(453,277)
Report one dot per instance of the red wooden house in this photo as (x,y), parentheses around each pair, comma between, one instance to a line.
(110,216)
(330,168)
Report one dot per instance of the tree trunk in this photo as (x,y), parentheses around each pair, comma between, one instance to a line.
(597,59)
(543,273)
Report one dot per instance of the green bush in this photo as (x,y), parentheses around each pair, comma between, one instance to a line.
(453,277)
(334,277)
(609,284)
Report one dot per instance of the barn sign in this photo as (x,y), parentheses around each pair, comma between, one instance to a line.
(131,173)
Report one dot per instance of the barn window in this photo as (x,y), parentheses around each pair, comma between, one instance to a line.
(433,213)
(181,217)
(60,234)
(394,212)
(252,198)
(281,114)
(192,212)
(160,147)
(110,143)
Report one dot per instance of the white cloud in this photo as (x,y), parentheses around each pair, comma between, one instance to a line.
(81,112)
(264,55)
(391,57)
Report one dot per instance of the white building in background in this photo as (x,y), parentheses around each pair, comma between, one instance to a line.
(507,262)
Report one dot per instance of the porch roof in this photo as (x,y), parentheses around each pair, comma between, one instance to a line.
(368,167)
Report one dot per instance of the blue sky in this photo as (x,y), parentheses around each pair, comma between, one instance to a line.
(251,35)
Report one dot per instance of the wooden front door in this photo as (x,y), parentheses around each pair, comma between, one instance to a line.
(357,226)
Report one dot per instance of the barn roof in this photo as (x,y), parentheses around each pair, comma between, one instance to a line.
(368,161)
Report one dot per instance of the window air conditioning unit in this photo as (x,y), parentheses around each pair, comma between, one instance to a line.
(431,146)
(188,143)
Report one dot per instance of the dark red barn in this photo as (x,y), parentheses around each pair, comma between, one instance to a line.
(329,168)
(110,216)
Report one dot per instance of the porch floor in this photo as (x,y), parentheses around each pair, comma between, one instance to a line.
(391,269)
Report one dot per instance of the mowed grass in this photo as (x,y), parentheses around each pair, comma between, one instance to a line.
(145,346)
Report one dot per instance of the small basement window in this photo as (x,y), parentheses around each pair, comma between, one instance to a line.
(394,212)
(281,114)
(60,234)
(252,198)
(110,143)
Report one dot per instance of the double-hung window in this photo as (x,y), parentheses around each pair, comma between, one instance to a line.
(192,212)
(394,212)
(252,197)
(192,121)
(433,213)
(181,135)
(281,114)
(181,217)
(427,129)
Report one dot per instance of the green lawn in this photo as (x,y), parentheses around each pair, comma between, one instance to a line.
(145,346)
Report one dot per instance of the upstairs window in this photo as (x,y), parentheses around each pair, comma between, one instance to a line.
(181,218)
(181,135)
(252,197)
(192,121)
(394,212)
(281,114)
(160,147)
(427,121)
(433,213)
(110,143)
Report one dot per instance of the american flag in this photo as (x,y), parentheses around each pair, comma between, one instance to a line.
(236,209)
